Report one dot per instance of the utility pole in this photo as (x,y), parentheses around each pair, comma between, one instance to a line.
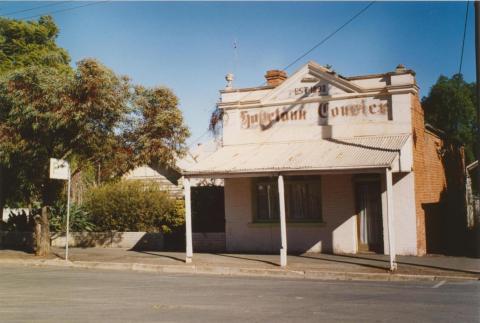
(477,60)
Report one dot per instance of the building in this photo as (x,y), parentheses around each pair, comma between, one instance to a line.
(208,220)
(318,162)
(167,179)
(170,179)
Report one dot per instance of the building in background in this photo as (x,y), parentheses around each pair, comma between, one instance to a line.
(167,179)
(207,199)
(170,179)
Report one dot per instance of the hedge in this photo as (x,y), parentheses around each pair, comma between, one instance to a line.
(133,206)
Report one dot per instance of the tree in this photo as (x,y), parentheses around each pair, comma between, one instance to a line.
(151,133)
(90,115)
(87,115)
(23,44)
(450,106)
(158,133)
(30,43)
(47,112)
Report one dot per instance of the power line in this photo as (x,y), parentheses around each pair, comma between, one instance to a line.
(330,35)
(66,9)
(34,8)
(198,138)
(325,39)
(463,39)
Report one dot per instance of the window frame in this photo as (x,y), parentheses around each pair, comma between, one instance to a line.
(309,180)
(258,181)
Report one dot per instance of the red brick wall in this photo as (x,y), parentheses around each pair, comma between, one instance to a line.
(430,180)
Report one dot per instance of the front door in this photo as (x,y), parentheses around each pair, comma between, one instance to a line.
(369,216)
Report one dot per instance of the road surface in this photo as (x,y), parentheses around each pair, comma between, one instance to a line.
(75,295)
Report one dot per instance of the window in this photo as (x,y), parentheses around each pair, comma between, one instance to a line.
(267,200)
(302,199)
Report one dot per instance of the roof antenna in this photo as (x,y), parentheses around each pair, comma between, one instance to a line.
(230,76)
(235,55)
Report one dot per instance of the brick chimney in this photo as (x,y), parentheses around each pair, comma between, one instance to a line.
(275,77)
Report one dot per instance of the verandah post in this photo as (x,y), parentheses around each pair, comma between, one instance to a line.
(390,220)
(188,220)
(283,222)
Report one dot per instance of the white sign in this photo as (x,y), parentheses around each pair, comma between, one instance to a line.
(59,169)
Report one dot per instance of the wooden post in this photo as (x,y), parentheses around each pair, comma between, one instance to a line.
(390,220)
(283,221)
(188,220)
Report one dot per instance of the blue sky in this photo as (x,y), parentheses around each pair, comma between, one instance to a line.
(187,46)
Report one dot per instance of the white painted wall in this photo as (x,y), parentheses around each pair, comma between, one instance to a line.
(309,128)
(405,227)
(404,211)
(376,82)
(337,234)
(340,93)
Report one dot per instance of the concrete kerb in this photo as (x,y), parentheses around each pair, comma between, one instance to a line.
(235,271)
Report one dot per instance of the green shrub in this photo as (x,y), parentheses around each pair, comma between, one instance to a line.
(57,216)
(133,206)
(79,218)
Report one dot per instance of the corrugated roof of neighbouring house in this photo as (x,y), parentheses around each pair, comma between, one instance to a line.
(325,154)
(197,153)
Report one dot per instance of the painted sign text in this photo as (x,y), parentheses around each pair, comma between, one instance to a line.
(351,110)
(267,118)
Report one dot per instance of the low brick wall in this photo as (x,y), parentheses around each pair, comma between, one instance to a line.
(130,240)
(202,242)
(208,241)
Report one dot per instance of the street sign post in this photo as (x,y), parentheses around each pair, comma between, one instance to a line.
(60,169)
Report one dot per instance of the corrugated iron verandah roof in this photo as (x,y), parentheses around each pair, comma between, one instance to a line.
(367,152)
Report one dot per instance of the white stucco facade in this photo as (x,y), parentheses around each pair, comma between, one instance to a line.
(282,130)
(337,232)
(334,234)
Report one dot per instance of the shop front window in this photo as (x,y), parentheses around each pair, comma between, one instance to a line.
(302,199)
(267,201)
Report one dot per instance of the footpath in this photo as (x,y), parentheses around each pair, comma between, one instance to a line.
(305,266)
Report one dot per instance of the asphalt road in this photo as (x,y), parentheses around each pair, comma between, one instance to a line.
(72,295)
